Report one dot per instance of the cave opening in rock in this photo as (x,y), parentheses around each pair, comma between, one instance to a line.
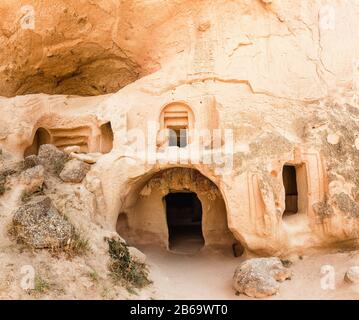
(177,208)
(106,138)
(291,189)
(42,136)
(184,220)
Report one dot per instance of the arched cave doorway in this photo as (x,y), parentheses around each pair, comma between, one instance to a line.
(184,221)
(42,136)
(148,216)
(106,138)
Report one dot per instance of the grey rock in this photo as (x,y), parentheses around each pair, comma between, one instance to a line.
(258,277)
(74,171)
(31,161)
(39,224)
(52,158)
(32,179)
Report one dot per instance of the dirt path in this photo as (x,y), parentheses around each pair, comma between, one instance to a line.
(208,275)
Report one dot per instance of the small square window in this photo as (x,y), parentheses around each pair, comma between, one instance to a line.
(177,137)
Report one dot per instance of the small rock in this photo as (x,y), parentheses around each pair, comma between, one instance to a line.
(352,275)
(52,158)
(6,171)
(258,277)
(74,171)
(31,161)
(32,179)
(40,225)
(356,143)
(333,138)
(88,158)
(137,255)
(70,149)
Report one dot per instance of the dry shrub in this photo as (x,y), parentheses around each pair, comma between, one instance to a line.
(130,273)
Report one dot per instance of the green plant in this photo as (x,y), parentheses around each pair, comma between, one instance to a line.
(77,246)
(124,269)
(93,275)
(41,285)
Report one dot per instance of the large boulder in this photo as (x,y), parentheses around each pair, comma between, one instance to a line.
(39,224)
(74,171)
(32,179)
(352,275)
(52,158)
(258,277)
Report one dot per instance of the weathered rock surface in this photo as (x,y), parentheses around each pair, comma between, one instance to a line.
(31,161)
(86,157)
(52,158)
(70,149)
(91,48)
(39,224)
(74,171)
(258,277)
(7,169)
(32,179)
(137,255)
(352,275)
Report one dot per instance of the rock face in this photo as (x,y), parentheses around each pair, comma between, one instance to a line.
(114,43)
(258,277)
(94,62)
(39,224)
(278,80)
(74,171)
(52,158)
(352,275)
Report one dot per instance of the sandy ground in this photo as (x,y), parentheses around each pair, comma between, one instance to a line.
(205,275)
(208,275)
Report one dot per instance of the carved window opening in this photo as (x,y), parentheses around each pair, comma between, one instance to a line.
(296,189)
(177,137)
(42,136)
(177,119)
(67,137)
(106,138)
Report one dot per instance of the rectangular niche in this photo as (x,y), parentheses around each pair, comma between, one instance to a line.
(296,189)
